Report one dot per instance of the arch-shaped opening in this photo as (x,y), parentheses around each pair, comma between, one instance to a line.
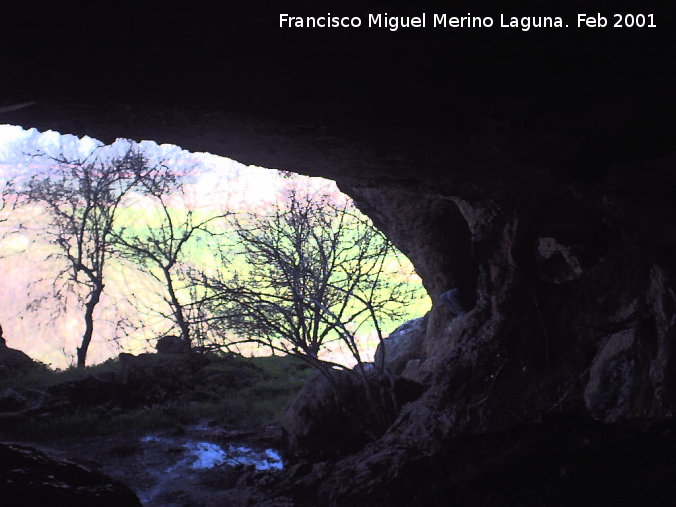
(195,203)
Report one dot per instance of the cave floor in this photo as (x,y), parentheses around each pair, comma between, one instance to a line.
(197,465)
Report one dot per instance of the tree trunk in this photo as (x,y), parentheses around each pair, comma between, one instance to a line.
(177,308)
(89,325)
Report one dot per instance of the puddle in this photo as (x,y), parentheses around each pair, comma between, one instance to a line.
(209,455)
(191,456)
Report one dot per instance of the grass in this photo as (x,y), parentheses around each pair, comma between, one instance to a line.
(159,391)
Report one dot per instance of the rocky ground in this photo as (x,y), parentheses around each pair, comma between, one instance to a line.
(199,465)
(184,429)
(167,428)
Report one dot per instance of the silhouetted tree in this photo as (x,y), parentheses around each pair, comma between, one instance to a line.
(157,245)
(8,201)
(315,271)
(81,199)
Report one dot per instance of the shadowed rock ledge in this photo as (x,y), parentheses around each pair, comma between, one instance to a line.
(30,477)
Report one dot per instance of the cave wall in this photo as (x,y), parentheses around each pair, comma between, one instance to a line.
(572,311)
(532,171)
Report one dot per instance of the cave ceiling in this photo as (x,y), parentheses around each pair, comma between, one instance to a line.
(402,107)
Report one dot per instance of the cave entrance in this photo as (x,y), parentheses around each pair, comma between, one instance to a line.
(208,193)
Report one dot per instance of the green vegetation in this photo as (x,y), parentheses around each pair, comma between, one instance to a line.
(151,391)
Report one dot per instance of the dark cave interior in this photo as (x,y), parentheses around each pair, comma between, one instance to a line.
(533,170)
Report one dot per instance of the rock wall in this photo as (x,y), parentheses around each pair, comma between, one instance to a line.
(573,316)
(573,306)
(31,477)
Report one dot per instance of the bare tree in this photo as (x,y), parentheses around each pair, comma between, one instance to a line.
(8,201)
(158,247)
(315,271)
(81,200)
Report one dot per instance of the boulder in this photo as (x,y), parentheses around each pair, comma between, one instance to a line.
(19,406)
(11,400)
(172,345)
(31,477)
(404,344)
(332,419)
(13,361)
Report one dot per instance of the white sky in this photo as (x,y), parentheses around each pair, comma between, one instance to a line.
(220,178)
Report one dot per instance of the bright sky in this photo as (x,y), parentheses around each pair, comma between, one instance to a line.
(217,175)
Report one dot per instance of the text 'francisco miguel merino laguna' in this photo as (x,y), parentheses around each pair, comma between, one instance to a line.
(424,20)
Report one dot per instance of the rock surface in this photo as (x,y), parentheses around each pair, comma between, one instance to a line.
(329,420)
(30,477)
(172,345)
(558,462)
(22,406)
(403,345)
(13,361)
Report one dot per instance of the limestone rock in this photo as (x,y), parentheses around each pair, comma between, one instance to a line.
(558,462)
(403,345)
(557,263)
(328,420)
(320,424)
(31,477)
